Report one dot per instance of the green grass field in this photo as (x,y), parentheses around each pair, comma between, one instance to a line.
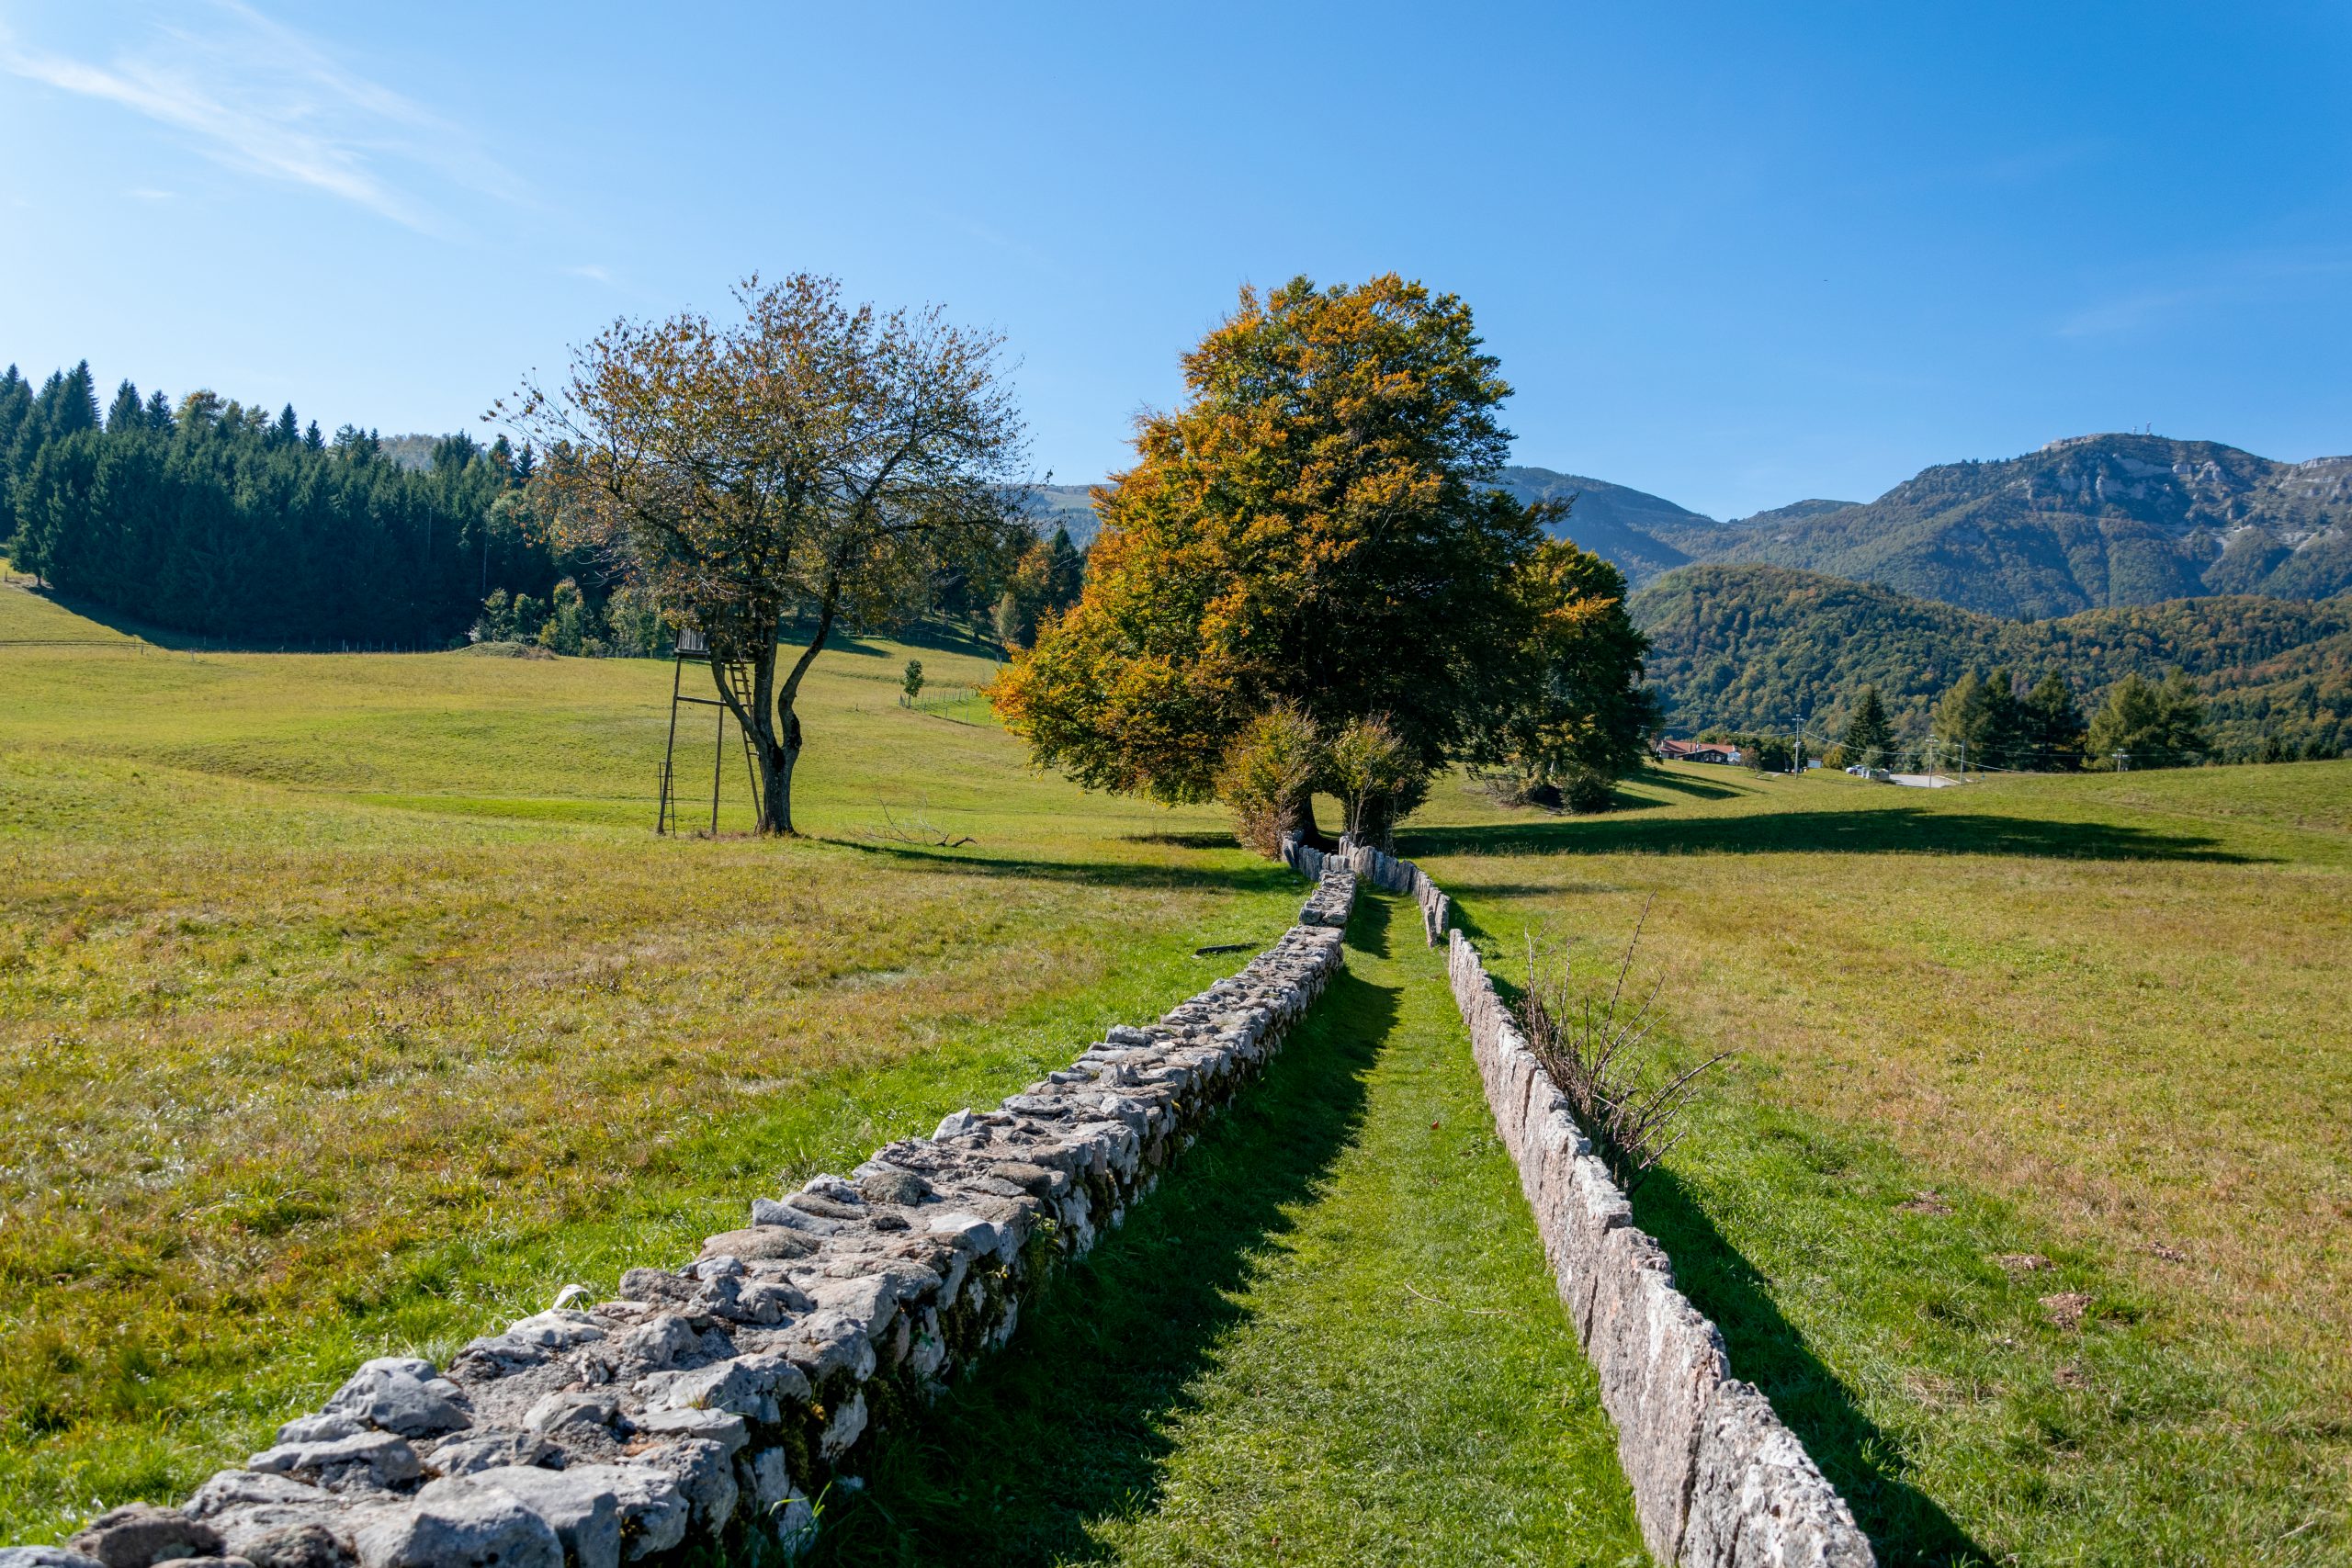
(2016,1041)
(348,1004)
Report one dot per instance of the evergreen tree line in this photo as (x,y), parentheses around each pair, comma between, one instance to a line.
(212,517)
(1996,721)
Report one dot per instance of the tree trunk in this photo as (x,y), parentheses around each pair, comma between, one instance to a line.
(776,810)
(771,718)
(758,718)
(1310,834)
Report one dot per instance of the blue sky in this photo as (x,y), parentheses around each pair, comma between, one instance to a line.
(1735,254)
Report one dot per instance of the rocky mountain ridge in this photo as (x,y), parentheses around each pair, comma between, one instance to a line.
(2085,523)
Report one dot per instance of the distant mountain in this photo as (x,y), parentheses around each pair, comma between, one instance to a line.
(1759,647)
(1794,511)
(1612,520)
(1632,527)
(1063,506)
(2091,522)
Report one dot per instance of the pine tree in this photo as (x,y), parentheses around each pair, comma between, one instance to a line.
(1064,572)
(2147,724)
(2005,740)
(1870,738)
(313,439)
(2053,726)
(288,431)
(15,409)
(77,404)
(1978,721)
(127,412)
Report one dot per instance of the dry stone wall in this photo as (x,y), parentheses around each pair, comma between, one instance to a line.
(1718,1480)
(693,1418)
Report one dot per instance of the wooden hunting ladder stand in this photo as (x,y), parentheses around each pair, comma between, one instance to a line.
(694,648)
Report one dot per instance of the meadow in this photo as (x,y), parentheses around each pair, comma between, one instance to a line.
(349,1004)
(2026,1197)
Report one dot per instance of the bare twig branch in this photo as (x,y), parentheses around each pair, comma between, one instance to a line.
(1588,1047)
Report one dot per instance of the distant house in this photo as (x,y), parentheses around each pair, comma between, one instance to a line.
(1697,752)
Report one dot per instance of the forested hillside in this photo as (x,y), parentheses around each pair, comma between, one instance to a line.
(1756,647)
(2094,522)
(212,517)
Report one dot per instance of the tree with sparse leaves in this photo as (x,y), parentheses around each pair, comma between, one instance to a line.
(808,454)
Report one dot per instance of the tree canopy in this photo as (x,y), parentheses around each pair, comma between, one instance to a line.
(2150,724)
(1312,529)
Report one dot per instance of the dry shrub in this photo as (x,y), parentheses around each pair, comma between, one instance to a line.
(1588,1045)
(1268,773)
(1379,778)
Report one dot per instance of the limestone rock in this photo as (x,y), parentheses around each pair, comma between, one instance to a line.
(758,1241)
(296,1546)
(321,1428)
(364,1460)
(140,1535)
(653,1510)
(459,1524)
(747,1386)
(577,1504)
(403,1395)
(887,1184)
(557,1411)
(490,1449)
(558,1328)
(704,1475)
(709,1426)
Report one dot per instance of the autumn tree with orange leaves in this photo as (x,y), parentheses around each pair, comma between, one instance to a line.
(1313,529)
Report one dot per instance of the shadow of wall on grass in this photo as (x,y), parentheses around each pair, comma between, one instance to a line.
(1880,830)
(1071,1425)
(1905,1526)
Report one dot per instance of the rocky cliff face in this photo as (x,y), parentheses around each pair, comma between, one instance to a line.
(2087,523)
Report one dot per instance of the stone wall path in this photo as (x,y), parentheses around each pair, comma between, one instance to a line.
(1329,1337)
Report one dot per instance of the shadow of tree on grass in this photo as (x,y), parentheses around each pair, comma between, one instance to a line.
(1256,877)
(1874,830)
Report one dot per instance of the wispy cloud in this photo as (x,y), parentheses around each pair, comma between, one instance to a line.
(2214,281)
(258,95)
(591,271)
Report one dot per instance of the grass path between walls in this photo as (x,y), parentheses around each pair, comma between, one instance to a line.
(1329,1338)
